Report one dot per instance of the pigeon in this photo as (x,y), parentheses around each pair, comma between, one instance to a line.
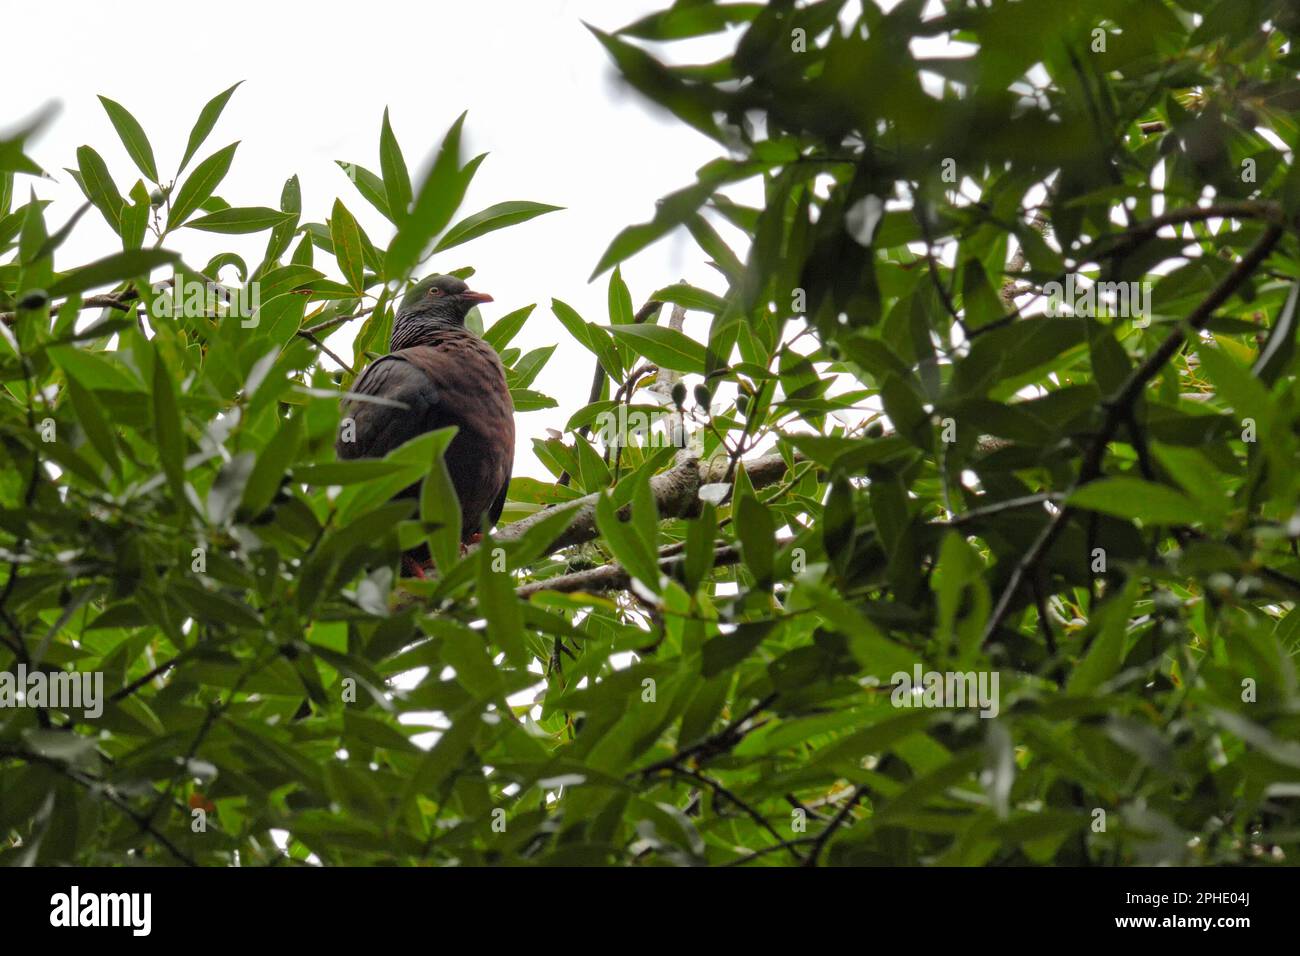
(442,374)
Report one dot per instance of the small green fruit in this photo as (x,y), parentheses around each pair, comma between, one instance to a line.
(679,394)
(875,430)
(703,396)
(157,198)
(742,403)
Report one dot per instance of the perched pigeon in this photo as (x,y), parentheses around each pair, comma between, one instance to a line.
(444,375)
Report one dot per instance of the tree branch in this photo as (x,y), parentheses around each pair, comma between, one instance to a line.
(97,785)
(715,744)
(330,325)
(310,337)
(720,791)
(675,491)
(112,300)
(614,577)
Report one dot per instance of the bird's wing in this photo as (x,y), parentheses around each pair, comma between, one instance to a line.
(494,515)
(454,378)
(378,428)
(473,396)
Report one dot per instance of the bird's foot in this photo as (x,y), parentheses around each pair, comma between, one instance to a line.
(475,538)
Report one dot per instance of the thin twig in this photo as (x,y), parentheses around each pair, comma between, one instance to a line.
(1120,405)
(310,337)
(721,791)
(837,821)
(599,374)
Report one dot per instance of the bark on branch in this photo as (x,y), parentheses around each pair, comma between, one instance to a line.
(112,300)
(614,577)
(676,492)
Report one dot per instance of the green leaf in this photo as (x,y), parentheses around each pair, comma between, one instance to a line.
(959,587)
(133,138)
(95,371)
(700,535)
(505,328)
(645,512)
(620,300)
(397,181)
(282,235)
(346,237)
(438,199)
(272,463)
(757,533)
(1107,633)
(1278,352)
(131,264)
(712,243)
(439,506)
(33,239)
(14,139)
(1193,471)
(501,608)
(167,429)
(666,347)
(240,220)
(672,211)
(658,83)
(228,487)
(369,185)
(1135,498)
(593,336)
(352,472)
(446,755)
(727,650)
(528,400)
(135,217)
(494,217)
(200,185)
(691,20)
(628,546)
(1244,393)
(573,323)
(98,186)
(96,426)
(875,653)
(61,236)
(203,126)
(691,298)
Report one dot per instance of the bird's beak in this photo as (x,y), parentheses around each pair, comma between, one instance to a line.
(475,296)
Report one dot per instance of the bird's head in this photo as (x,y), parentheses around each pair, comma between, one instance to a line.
(439,299)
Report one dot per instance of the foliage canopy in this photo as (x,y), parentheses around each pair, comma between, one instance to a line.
(929,464)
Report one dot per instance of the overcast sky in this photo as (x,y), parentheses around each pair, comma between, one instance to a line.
(541,96)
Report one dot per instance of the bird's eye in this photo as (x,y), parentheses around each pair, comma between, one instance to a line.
(435,292)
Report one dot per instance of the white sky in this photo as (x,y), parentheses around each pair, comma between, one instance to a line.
(538,86)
